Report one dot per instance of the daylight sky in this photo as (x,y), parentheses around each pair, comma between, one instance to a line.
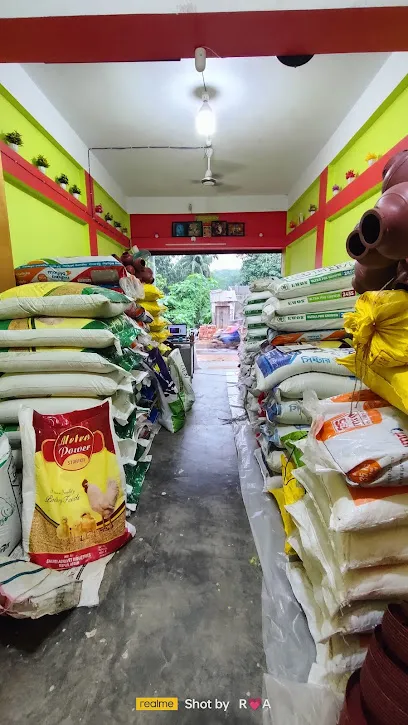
(226,261)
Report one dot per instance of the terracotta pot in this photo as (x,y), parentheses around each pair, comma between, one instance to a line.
(395,634)
(384,685)
(352,712)
(366,278)
(368,257)
(395,170)
(386,226)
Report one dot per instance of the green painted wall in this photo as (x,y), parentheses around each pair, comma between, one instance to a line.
(339,227)
(110,205)
(300,255)
(36,140)
(107,246)
(40,230)
(310,196)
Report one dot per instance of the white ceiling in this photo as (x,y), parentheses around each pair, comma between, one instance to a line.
(271,120)
(43,8)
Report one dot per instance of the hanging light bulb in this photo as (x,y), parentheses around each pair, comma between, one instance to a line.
(205,119)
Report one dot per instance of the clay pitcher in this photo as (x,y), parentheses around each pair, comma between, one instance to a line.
(366,279)
(385,227)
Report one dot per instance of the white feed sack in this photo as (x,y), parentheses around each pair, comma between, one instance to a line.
(336,277)
(69,361)
(326,301)
(81,338)
(262,284)
(83,385)
(352,550)
(356,508)
(367,443)
(274,366)
(122,407)
(358,618)
(10,500)
(323,384)
(76,305)
(287,412)
(255,298)
(270,482)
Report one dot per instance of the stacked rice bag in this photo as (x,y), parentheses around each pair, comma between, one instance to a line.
(351,526)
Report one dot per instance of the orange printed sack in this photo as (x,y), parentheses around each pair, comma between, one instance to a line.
(73,487)
(365,439)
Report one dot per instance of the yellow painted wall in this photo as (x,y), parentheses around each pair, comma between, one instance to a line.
(310,196)
(36,140)
(300,255)
(110,205)
(107,246)
(382,131)
(40,230)
(339,227)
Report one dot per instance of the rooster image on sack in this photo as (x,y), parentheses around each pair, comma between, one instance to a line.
(102,503)
(73,486)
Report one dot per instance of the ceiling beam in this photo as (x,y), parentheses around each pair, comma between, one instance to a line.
(118,38)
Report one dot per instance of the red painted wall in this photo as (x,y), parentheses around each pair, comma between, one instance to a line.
(271,225)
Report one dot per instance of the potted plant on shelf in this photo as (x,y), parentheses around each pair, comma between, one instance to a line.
(335,189)
(99,209)
(63,181)
(312,209)
(124,230)
(350,176)
(371,159)
(75,191)
(14,140)
(117,225)
(41,163)
(292,225)
(109,218)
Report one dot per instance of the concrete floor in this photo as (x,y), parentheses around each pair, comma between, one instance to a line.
(180,611)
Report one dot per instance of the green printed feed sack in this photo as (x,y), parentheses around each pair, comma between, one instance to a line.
(59,299)
(325,279)
(337,300)
(181,378)
(135,474)
(330,320)
(32,333)
(172,412)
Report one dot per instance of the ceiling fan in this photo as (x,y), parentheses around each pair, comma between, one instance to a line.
(211,180)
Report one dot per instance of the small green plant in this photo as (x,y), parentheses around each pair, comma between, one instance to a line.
(62,179)
(117,225)
(13,137)
(75,189)
(312,207)
(41,161)
(108,217)
(124,230)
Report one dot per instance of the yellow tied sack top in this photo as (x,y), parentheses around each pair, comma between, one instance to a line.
(152,293)
(379,327)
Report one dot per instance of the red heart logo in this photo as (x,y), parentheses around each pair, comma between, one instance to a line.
(255,703)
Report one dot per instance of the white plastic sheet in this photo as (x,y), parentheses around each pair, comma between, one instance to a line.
(289,647)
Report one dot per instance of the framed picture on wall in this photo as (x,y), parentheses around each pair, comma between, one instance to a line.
(206,229)
(195,229)
(218,229)
(236,229)
(179,229)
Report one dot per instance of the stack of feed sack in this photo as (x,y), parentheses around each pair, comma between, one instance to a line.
(67,346)
(351,532)
(311,302)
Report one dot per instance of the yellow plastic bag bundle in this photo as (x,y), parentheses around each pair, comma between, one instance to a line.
(379,327)
(160,336)
(158,324)
(291,492)
(152,293)
(153,307)
(380,336)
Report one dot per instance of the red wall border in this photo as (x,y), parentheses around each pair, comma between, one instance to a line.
(28,175)
(119,38)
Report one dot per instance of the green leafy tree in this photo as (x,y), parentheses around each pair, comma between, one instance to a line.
(227,278)
(194,264)
(189,301)
(255,266)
